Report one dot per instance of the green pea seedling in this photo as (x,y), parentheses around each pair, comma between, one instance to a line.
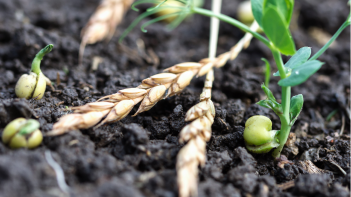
(273,16)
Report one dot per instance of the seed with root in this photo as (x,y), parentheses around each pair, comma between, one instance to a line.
(34,84)
(22,133)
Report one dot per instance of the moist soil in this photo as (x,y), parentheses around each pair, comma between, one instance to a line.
(136,156)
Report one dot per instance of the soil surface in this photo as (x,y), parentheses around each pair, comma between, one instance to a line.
(136,156)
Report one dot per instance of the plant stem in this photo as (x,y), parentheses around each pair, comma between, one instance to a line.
(278,60)
(326,46)
(38,57)
(216,8)
(231,21)
(285,118)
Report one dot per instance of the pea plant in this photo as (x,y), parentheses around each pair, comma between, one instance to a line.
(273,17)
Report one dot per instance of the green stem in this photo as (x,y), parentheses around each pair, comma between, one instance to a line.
(283,137)
(231,21)
(326,46)
(36,61)
(286,95)
(278,60)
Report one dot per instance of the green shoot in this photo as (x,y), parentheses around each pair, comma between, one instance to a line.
(36,61)
(331,114)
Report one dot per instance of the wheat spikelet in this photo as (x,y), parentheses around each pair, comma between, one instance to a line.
(103,22)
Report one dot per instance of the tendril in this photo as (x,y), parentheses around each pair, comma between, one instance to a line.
(141,2)
(178,20)
(156,20)
(144,15)
(157,6)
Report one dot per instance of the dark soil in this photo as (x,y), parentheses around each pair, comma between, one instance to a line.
(136,156)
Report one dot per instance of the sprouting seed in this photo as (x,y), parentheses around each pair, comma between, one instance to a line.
(33,85)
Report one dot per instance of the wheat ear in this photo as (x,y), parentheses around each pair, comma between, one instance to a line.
(198,132)
(103,22)
(116,106)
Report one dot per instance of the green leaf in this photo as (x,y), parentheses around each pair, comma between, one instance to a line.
(268,92)
(295,107)
(280,5)
(285,7)
(275,27)
(270,102)
(300,57)
(256,6)
(264,103)
(302,73)
(276,107)
(267,72)
(290,6)
(286,70)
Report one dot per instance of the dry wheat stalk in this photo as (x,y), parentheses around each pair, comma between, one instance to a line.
(243,42)
(103,22)
(151,90)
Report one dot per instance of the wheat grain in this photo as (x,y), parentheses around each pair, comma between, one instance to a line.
(102,24)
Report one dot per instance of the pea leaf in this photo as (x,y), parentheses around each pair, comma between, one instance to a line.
(267,72)
(302,73)
(286,70)
(270,102)
(280,5)
(256,6)
(275,27)
(290,6)
(295,107)
(300,57)
(268,92)
(276,107)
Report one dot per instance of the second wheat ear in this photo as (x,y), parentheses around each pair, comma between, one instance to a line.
(102,24)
